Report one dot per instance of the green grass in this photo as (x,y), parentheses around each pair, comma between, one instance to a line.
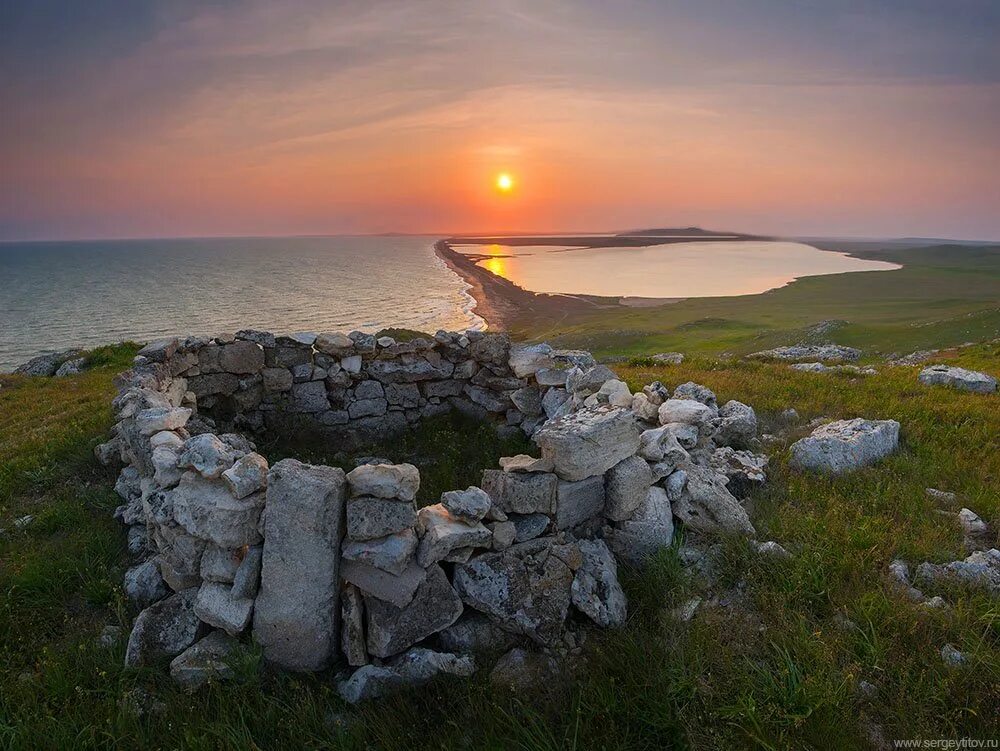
(943,296)
(776,669)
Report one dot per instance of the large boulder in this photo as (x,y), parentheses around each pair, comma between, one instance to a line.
(589,442)
(596,591)
(295,614)
(525,589)
(164,629)
(708,506)
(846,445)
(434,606)
(959,378)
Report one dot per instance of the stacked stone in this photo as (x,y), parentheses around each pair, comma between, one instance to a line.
(358,388)
(321,562)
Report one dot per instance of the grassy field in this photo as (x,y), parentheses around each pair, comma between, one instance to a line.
(943,296)
(776,667)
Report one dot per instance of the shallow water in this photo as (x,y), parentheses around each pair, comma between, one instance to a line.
(54,296)
(689,269)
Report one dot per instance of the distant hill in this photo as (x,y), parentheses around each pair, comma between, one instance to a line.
(686,232)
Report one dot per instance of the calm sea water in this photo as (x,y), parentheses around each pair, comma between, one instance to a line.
(54,296)
(688,269)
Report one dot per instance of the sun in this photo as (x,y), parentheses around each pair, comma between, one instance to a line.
(505,182)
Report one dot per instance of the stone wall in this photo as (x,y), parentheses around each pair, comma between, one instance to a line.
(356,388)
(321,567)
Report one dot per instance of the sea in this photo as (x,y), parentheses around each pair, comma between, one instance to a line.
(60,295)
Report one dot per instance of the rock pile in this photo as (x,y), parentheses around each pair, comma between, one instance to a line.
(810,352)
(320,564)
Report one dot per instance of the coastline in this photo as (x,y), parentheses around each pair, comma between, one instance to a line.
(500,302)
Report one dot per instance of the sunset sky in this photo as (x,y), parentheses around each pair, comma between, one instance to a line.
(137,118)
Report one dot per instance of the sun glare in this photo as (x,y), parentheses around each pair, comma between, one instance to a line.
(504,182)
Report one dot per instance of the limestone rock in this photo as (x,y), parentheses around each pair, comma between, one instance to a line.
(846,445)
(981,569)
(415,668)
(241,357)
(708,506)
(529,526)
(661,445)
(696,392)
(521,493)
(579,501)
(737,426)
(248,475)
(385,481)
(144,585)
(504,534)
(588,442)
(246,580)
(743,469)
(474,633)
(687,412)
(207,455)
(373,518)
(206,509)
(352,627)
(596,591)
(644,409)
(396,589)
(155,419)
(525,589)
(392,553)
(164,629)
(823,352)
(528,359)
(434,606)
(471,504)
(441,533)
(522,670)
(525,463)
(626,487)
(205,661)
(959,378)
(668,358)
(295,614)
(216,606)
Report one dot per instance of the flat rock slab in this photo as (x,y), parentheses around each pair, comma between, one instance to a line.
(589,442)
(959,378)
(434,606)
(526,589)
(297,608)
(846,445)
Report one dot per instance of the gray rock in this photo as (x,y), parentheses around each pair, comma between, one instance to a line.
(596,591)
(668,358)
(471,504)
(204,662)
(528,359)
(556,402)
(207,455)
(216,606)
(845,445)
(248,475)
(708,506)
(489,400)
(644,408)
(352,627)
(529,526)
(395,589)
(263,338)
(504,534)
(45,365)
(155,419)
(441,533)
(474,633)
(219,564)
(392,553)
(981,569)
(385,481)
(579,501)
(521,493)
(295,615)
(367,408)
(276,380)
(335,345)
(742,469)
(737,426)
(434,606)
(696,392)
(525,463)
(137,539)
(660,445)
(415,668)
(525,589)
(627,485)
(399,371)
(241,357)
(588,380)
(555,376)
(246,581)
(206,509)
(688,412)
(309,396)
(374,518)
(528,400)
(952,656)
(71,367)
(164,629)
(959,378)
(144,585)
(521,670)
(823,352)
(588,442)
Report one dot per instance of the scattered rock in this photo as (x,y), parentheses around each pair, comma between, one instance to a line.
(846,445)
(668,358)
(959,378)
(981,569)
(952,656)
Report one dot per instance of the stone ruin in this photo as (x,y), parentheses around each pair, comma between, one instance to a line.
(321,567)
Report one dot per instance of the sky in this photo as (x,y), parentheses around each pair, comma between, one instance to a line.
(143,118)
